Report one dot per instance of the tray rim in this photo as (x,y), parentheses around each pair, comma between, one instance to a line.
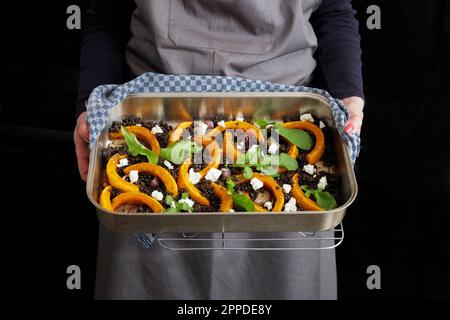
(230,94)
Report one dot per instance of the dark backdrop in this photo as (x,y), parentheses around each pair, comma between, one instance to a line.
(398,222)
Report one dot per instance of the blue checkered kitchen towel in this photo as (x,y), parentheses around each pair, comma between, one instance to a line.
(105,97)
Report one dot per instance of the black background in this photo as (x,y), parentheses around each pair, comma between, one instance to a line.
(399,221)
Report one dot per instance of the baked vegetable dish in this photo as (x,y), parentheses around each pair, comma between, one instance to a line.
(220,165)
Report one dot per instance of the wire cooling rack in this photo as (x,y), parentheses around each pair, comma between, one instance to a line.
(322,240)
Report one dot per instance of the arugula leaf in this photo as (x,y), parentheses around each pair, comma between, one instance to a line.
(324,199)
(179,151)
(267,164)
(300,138)
(270,163)
(243,202)
(240,200)
(248,172)
(137,148)
(268,170)
(263,123)
(251,157)
(288,162)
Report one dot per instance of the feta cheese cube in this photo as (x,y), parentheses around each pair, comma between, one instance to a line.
(287,188)
(221,124)
(122,163)
(213,174)
(194,177)
(309,169)
(157,129)
(157,195)
(134,176)
(322,183)
(291,205)
(256,184)
(168,164)
(322,125)
(307,117)
(240,117)
(273,148)
(268,205)
(188,201)
(200,128)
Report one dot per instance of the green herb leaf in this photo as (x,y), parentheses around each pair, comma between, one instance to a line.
(288,162)
(179,151)
(184,207)
(243,202)
(268,170)
(267,164)
(168,199)
(324,199)
(270,164)
(252,157)
(230,184)
(248,172)
(300,138)
(137,148)
(176,206)
(263,123)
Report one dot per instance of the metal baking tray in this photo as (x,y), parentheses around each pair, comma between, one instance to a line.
(175,108)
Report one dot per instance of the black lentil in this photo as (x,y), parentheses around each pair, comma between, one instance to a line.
(144,184)
(205,188)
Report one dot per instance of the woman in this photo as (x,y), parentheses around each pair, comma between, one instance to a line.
(275,40)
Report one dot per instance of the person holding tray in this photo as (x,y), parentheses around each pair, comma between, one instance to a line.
(310,42)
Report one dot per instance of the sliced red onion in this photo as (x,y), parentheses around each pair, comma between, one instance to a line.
(154,182)
(209,123)
(226,172)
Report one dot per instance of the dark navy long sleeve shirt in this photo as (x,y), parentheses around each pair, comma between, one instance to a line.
(107,31)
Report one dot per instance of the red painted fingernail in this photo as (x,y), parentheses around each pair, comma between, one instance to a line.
(349,128)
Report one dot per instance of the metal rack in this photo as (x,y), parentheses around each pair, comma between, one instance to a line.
(322,240)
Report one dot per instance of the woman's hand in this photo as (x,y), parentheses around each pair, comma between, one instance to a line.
(81,140)
(354,106)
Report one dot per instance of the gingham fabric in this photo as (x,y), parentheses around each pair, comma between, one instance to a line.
(105,97)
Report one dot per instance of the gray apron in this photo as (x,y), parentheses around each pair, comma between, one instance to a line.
(258,39)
